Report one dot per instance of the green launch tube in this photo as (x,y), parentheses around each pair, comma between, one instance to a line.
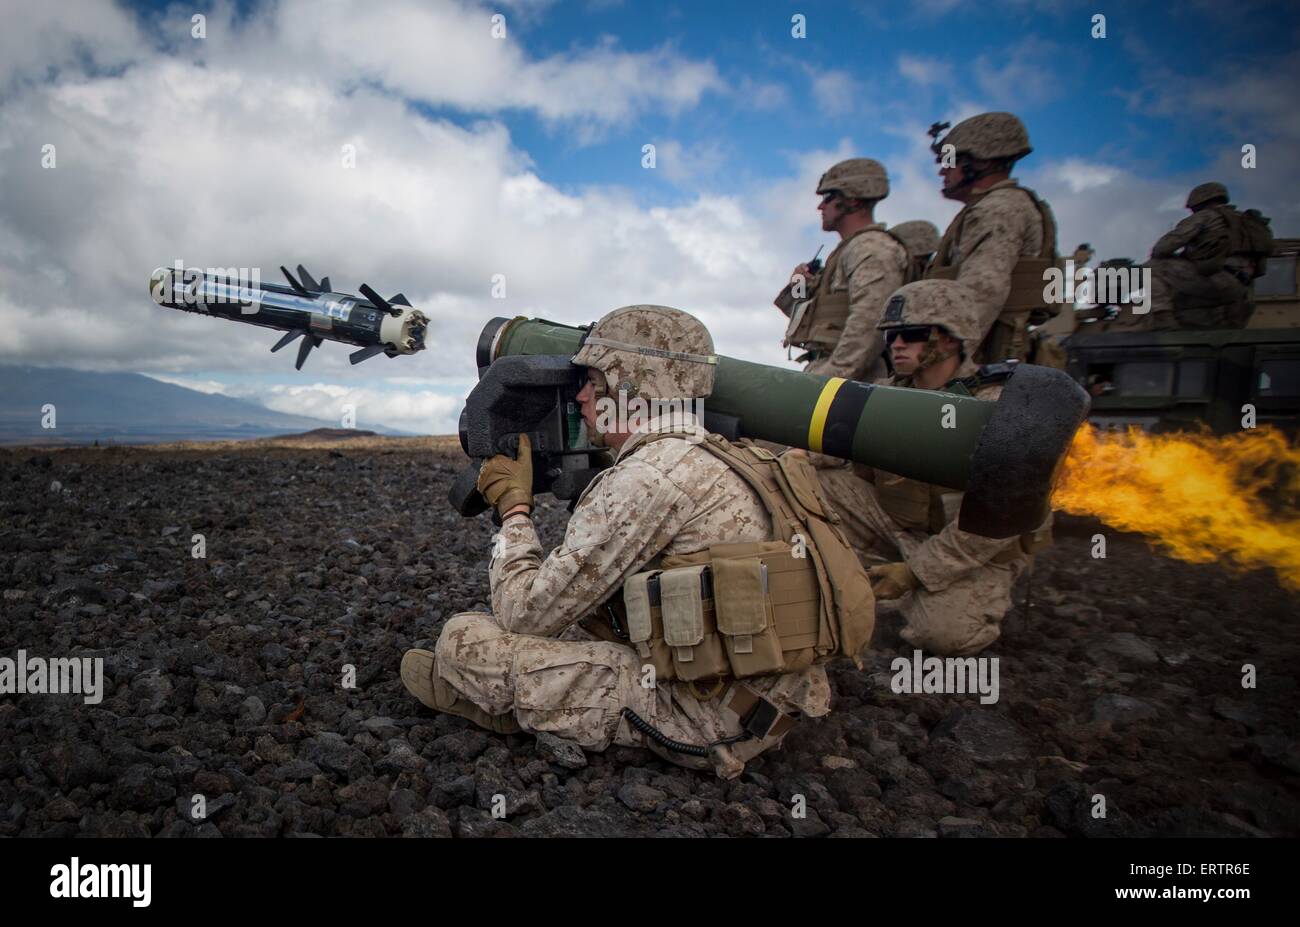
(879,426)
(1004,455)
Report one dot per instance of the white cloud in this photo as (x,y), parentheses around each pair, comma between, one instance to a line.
(924,71)
(683,164)
(1022,75)
(419,412)
(228,163)
(834,92)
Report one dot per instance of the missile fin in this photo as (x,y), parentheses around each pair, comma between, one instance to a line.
(289,336)
(380,303)
(311,341)
(400,300)
(297,287)
(325,284)
(366,353)
(307,279)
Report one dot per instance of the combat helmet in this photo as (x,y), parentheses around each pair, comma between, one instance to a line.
(1203,193)
(653,352)
(918,236)
(856,178)
(988,137)
(944,304)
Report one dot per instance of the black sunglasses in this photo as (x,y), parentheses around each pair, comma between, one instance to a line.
(911,334)
(830,195)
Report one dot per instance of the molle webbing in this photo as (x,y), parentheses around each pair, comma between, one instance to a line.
(820,321)
(748,609)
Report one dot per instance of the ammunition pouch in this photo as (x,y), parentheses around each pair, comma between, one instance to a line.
(910,503)
(733,611)
(741,610)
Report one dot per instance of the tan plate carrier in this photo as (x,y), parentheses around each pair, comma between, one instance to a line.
(739,610)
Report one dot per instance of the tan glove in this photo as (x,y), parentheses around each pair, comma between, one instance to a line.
(892,580)
(506,482)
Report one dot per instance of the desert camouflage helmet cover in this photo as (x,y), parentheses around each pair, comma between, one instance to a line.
(945,303)
(1205,192)
(988,136)
(918,236)
(654,352)
(858,178)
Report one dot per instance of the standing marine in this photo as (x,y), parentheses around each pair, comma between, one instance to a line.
(833,312)
(699,587)
(1004,238)
(953,587)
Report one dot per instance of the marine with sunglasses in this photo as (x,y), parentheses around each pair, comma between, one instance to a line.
(953,587)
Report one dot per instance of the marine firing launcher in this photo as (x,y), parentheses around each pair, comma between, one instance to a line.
(1004,455)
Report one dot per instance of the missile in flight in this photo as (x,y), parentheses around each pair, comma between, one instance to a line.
(304,309)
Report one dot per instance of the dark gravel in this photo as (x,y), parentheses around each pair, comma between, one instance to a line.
(224,681)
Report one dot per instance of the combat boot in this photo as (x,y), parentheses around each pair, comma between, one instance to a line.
(421,678)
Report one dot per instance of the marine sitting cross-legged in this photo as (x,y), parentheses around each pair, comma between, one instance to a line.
(954,586)
(680,612)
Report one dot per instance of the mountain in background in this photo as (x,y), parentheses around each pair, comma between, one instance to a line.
(128,408)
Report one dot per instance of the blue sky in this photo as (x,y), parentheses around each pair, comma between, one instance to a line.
(522,156)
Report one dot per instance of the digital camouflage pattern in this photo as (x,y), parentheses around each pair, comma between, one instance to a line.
(986,239)
(989,137)
(658,328)
(944,303)
(919,237)
(871,266)
(857,178)
(668,496)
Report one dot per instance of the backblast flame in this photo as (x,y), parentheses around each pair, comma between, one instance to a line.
(1201,497)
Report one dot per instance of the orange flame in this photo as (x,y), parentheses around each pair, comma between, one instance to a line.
(1201,497)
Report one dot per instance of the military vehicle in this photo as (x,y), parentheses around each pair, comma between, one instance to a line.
(1175,380)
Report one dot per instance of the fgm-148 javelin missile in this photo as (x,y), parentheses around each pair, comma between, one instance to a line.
(304,309)
(1003,455)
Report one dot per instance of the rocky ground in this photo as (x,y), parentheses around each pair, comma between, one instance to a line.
(224,675)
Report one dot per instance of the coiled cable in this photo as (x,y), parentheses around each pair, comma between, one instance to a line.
(659,737)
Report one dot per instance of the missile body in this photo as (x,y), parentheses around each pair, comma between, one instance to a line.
(1004,455)
(305,309)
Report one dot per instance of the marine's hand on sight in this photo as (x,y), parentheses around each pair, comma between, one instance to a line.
(507,482)
(801,270)
(892,580)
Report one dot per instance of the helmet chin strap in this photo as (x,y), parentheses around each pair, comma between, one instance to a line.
(932,355)
(969,176)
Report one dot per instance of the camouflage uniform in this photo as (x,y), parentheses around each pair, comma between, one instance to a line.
(996,229)
(871,267)
(1196,283)
(661,497)
(965,580)
(921,240)
(868,265)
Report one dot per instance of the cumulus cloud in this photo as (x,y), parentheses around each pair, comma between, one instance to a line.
(213,159)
